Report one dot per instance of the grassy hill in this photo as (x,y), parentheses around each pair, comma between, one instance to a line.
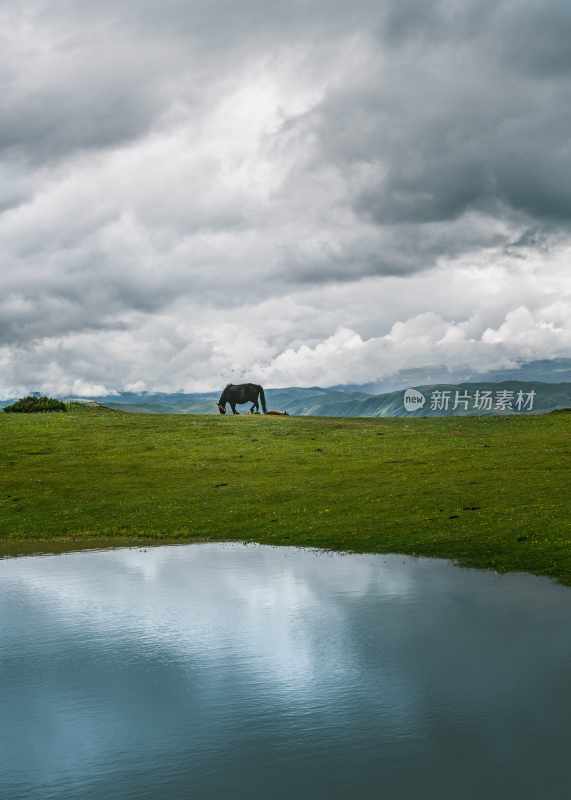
(489,491)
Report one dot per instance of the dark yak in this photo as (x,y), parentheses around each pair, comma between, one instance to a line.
(236,394)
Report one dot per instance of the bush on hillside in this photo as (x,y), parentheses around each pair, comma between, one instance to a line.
(35,405)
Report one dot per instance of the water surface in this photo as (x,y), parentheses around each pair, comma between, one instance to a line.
(232,671)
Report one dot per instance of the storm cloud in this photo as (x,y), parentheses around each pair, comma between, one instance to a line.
(310,192)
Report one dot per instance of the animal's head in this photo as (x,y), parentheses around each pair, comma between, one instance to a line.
(222,408)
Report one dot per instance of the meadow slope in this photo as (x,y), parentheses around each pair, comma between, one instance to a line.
(489,492)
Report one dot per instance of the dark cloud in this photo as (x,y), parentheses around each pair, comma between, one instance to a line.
(452,116)
(451,109)
(534,38)
(56,122)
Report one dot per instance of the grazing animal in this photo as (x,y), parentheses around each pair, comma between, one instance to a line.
(235,394)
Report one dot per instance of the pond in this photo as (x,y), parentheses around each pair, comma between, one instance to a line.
(234,671)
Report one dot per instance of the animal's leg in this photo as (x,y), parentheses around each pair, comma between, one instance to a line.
(233,407)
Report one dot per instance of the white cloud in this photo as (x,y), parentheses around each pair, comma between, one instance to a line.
(289,341)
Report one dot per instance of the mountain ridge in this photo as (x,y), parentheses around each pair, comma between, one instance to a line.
(356,400)
(442,399)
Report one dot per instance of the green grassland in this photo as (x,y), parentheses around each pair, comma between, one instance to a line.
(488,492)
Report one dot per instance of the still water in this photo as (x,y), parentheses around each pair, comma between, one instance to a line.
(231,671)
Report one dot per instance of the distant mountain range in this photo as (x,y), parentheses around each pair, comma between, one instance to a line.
(478,398)
(533,387)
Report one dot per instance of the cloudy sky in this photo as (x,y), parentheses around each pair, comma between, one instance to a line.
(320,191)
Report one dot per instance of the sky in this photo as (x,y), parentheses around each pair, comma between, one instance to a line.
(197,192)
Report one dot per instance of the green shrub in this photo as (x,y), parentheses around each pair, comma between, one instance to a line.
(35,405)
